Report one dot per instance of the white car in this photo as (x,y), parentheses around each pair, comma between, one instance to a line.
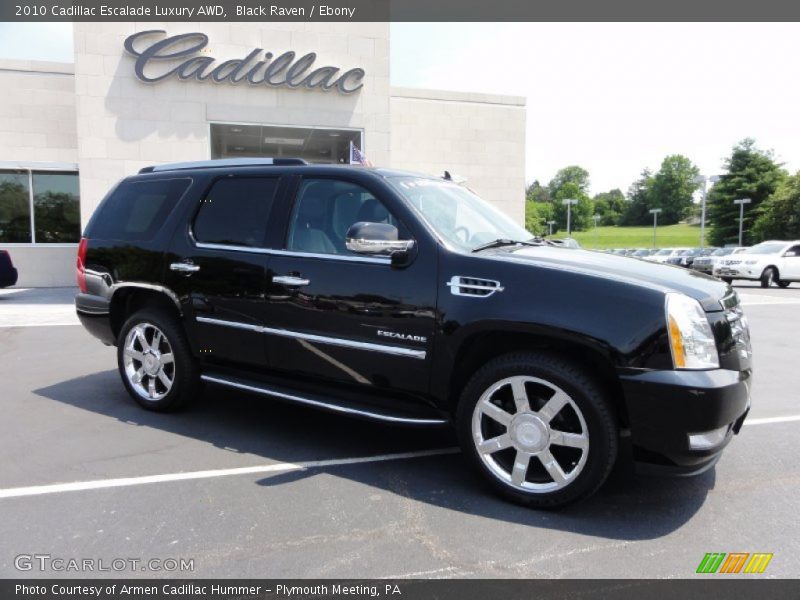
(705,264)
(768,262)
(663,255)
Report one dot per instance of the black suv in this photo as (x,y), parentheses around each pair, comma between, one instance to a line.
(406,299)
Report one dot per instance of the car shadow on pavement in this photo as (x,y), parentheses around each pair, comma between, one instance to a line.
(626,508)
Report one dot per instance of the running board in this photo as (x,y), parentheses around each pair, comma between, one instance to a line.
(351,409)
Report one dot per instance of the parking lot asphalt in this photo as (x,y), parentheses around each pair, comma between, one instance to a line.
(249,487)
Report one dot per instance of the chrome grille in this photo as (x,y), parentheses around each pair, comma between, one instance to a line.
(740,329)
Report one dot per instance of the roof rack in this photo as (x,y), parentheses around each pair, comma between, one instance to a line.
(224,162)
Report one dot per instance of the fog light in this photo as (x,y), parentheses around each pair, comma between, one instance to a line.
(708,439)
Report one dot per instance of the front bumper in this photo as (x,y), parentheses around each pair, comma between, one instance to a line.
(666,407)
(738,272)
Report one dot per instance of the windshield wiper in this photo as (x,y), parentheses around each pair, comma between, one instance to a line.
(507,242)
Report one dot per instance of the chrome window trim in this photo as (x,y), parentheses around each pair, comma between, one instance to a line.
(322,339)
(316,403)
(276,252)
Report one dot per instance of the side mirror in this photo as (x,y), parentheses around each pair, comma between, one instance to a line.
(375,239)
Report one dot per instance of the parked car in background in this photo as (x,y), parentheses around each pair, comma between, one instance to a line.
(705,263)
(8,274)
(686,258)
(769,262)
(566,242)
(642,252)
(663,255)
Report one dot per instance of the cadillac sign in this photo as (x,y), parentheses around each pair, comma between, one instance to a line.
(181,56)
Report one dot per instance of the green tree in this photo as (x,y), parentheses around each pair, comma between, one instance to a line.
(536,192)
(610,206)
(582,212)
(637,209)
(536,216)
(751,173)
(672,188)
(778,217)
(573,174)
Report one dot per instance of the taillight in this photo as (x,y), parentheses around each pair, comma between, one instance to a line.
(81,265)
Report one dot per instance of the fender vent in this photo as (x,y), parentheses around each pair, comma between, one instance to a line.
(473,286)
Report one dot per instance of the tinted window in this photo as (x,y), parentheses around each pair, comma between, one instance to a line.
(15,207)
(136,210)
(56,208)
(324,211)
(235,212)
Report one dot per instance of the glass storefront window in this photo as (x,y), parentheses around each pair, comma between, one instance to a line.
(316,145)
(15,207)
(53,197)
(56,209)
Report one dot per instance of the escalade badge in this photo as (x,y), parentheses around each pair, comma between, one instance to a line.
(402,336)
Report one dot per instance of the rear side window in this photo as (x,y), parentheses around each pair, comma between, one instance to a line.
(235,212)
(136,210)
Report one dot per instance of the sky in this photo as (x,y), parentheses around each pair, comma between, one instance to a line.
(613,98)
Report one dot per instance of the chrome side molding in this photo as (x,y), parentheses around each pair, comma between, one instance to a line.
(322,339)
(331,406)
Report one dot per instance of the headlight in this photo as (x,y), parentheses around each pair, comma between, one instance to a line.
(690,337)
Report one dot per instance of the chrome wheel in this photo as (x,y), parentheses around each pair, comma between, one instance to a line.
(530,434)
(149,361)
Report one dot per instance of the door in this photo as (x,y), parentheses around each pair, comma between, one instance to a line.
(790,269)
(220,264)
(336,316)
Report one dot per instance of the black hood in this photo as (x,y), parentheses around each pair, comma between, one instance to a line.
(704,288)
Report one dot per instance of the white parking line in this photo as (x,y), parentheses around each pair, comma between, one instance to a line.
(76,486)
(770,420)
(57,488)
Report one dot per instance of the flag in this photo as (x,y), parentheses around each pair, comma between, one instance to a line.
(357,157)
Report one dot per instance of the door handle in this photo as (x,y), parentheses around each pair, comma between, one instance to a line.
(290,280)
(184,267)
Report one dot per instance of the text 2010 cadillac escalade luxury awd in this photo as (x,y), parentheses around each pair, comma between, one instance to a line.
(407,299)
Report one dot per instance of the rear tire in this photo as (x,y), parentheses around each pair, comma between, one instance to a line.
(155,362)
(538,428)
(768,277)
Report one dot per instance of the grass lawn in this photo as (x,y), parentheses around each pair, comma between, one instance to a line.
(638,237)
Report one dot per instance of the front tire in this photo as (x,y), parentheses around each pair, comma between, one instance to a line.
(727,280)
(767,277)
(538,428)
(782,283)
(155,362)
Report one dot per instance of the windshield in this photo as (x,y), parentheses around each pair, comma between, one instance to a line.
(641,253)
(722,252)
(664,252)
(765,248)
(458,215)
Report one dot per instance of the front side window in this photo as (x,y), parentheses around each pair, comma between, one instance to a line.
(326,208)
(457,214)
(235,212)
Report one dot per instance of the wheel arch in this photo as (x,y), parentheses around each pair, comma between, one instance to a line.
(480,347)
(129,298)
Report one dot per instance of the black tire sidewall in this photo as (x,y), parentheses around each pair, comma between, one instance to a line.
(186,382)
(768,277)
(587,394)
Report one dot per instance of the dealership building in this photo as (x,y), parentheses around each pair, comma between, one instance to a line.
(139,94)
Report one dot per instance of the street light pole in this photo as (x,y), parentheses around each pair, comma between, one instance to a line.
(550,225)
(596,218)
(569,202)
(741,202)
(654,212)
(704,191)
